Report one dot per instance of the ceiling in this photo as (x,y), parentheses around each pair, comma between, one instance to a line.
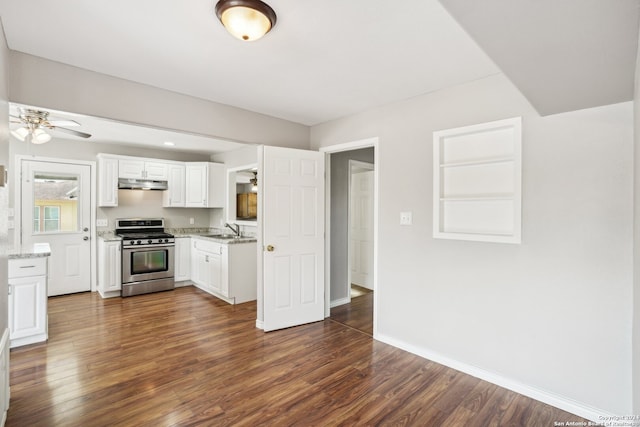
(328,59)
(323,59)
(563,55)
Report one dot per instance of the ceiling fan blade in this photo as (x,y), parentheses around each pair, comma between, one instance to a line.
(72,132)
(63,122)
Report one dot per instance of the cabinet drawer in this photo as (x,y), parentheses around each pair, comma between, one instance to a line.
(207,246)
(27,267)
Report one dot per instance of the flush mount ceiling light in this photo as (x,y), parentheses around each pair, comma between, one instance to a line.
(247,20)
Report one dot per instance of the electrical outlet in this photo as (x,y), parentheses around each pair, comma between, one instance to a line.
(191,221)
(102,223)
(10,225)
(405,218)
(11,212)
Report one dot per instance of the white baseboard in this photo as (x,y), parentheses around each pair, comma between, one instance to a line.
(550,398)
(4,376)
(259,324)
(340,301)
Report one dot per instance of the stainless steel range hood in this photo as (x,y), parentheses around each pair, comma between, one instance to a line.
(141,184)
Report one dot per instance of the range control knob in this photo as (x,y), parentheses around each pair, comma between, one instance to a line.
(166,240)
(138,242)
(149,241)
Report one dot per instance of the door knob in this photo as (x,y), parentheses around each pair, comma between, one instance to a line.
(270,248)
(85,238)
(85,229)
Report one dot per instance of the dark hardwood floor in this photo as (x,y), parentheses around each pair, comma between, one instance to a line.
(358,314)
(184,358)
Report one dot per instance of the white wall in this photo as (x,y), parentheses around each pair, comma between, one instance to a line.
(554,313)
(40,82)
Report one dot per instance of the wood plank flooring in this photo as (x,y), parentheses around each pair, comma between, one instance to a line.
(184,358)
(357,314)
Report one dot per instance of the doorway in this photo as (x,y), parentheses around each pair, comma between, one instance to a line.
(55,203)
(351,201)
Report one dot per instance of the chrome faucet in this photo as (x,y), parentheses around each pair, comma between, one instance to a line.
(235,230)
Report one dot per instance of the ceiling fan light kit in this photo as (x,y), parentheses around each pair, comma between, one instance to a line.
(34,121)
(246,20)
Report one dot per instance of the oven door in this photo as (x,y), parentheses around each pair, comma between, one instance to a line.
(147,263)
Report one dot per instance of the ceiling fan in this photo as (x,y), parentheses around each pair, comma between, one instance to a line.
(35,120)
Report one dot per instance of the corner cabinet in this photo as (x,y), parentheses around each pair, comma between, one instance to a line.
(226,271)
(477,182)
(107,181)
(27,301)
(205,185)
(109,268)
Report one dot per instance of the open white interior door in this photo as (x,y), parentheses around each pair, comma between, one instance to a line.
(293,237)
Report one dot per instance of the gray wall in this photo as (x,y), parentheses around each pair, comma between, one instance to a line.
(553,314)
(4,192)
(40,82)
(339,218)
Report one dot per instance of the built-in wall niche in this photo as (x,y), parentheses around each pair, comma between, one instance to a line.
(243,195)
(477,182)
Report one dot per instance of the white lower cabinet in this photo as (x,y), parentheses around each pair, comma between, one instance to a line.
(227,271)
(109,268)
(27,301)
(182,258)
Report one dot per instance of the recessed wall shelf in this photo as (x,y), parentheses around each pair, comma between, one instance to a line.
(477,182)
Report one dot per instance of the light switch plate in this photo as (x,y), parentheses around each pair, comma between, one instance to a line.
(102,223)
(11,212)
(406,218)
(11,225)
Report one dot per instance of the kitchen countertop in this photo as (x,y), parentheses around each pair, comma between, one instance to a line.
(38,250)
(233,241)
(109,236)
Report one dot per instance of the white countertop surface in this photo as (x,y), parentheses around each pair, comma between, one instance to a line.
(38,250)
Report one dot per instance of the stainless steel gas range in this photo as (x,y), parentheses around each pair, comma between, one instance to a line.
(147,256)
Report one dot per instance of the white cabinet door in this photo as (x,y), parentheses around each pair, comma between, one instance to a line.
(110,267)
(131,169)
(200,271)
(214,267)
(174,195)
(27,307)
(107,182)
(155,170)
(183,259)
(196,185)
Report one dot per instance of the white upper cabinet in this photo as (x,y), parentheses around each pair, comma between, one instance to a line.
(205,185)
(107,181)
(174,196)
(139,169)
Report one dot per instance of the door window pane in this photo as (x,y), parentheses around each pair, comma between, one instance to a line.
(56,200)
(36,219)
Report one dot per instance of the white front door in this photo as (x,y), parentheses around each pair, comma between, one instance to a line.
(361,231)
(292,184)
(56,209)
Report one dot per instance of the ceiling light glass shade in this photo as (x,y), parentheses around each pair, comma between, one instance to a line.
(247,20)
(40,137)
(20,133)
